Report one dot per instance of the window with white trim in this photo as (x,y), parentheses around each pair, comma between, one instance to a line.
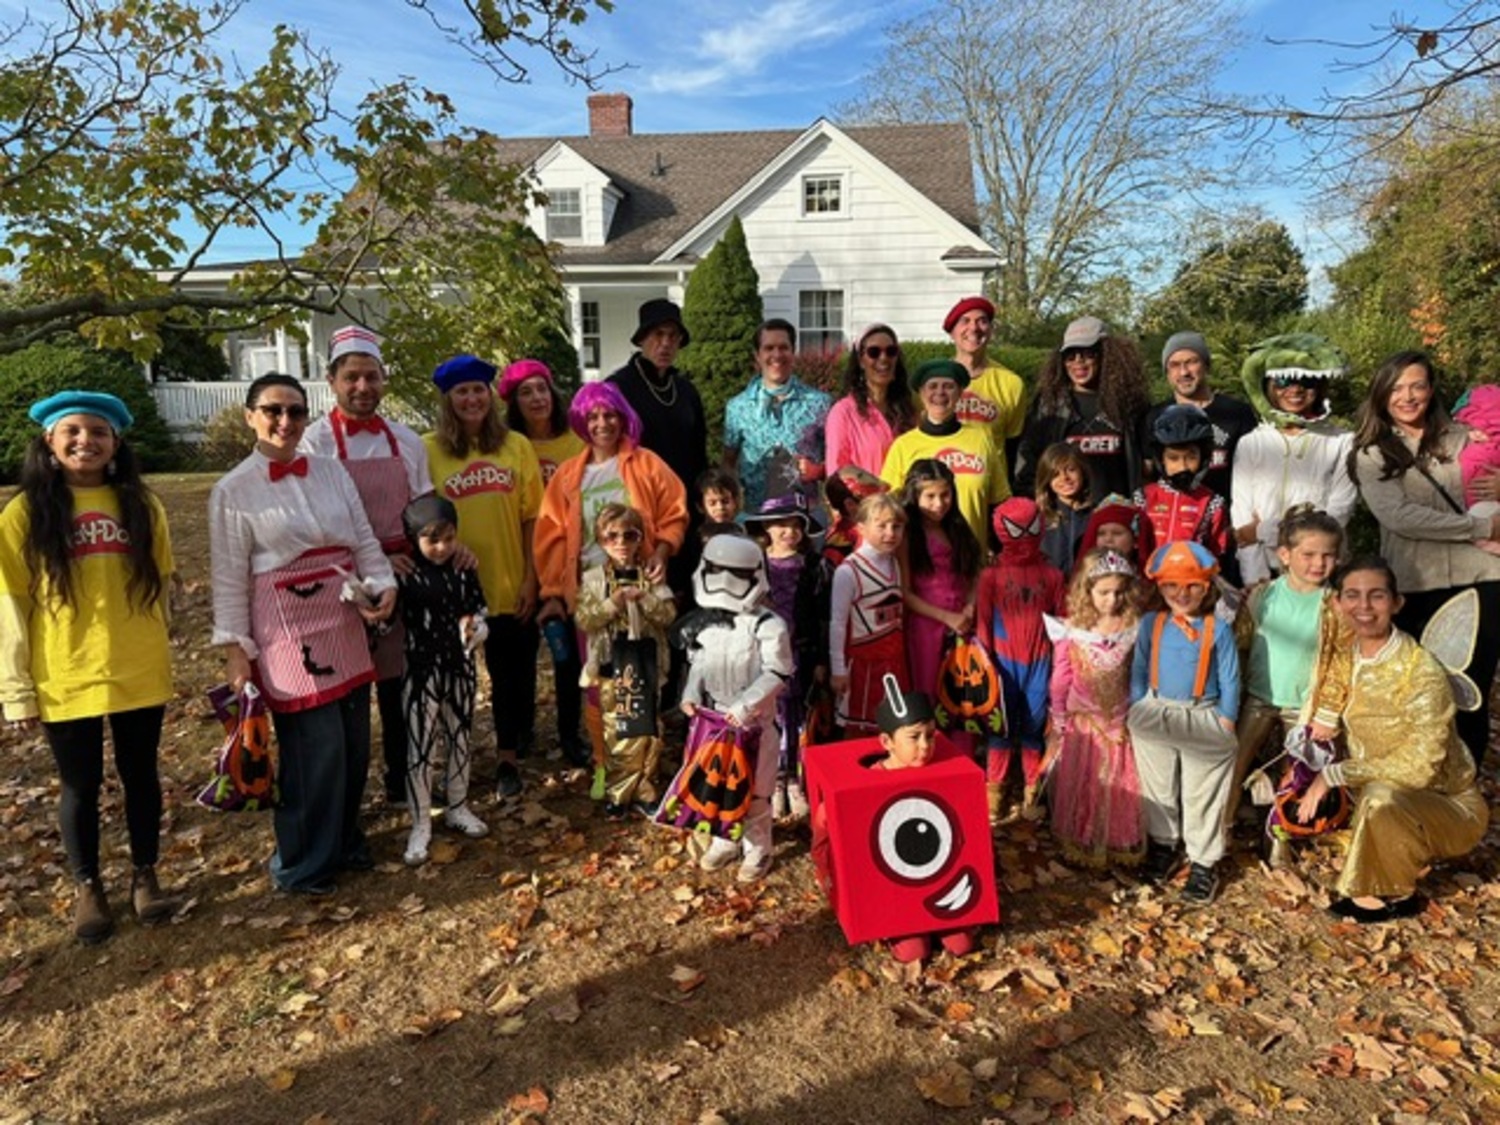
(589,315)
(822,196)
(564,214)
(820,319)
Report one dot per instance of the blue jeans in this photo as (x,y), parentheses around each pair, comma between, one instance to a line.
(324,754)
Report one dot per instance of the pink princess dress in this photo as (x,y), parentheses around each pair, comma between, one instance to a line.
(1094,792)
(924,635)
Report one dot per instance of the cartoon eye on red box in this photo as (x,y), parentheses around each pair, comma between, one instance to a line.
(901,852)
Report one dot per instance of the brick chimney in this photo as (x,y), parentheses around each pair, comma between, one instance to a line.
(609,115)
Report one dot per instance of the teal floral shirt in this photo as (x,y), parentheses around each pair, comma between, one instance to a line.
(770,432)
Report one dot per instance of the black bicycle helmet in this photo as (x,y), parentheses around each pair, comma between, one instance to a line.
(1182,424)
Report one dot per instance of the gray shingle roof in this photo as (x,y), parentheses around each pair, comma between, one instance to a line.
(701,170)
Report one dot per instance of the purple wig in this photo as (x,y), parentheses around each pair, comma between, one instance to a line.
(593,396)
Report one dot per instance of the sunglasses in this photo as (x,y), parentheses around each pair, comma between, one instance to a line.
(1283,382)
(626,535)
(875,351)
(274,411)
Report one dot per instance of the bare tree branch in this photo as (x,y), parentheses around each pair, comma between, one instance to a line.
(1081,115)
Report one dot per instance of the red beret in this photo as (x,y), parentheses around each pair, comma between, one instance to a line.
(968,304)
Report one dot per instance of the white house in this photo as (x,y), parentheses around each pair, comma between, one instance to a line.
(844,225)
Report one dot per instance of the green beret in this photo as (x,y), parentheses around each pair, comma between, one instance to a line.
(940,369)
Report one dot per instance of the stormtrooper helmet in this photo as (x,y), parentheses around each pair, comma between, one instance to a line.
(731,574)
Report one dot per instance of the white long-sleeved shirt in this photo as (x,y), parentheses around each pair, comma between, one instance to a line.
(1274,470)
(256,526)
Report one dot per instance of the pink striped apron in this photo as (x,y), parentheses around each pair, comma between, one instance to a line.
(312,645)
(384,490)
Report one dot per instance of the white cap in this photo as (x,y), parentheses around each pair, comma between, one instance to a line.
(353,339)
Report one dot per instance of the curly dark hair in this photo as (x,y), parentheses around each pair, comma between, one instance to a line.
(899,410)
(1124,393)
(48,550)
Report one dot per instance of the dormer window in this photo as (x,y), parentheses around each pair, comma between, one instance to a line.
(564,214)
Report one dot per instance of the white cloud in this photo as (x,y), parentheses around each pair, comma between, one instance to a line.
(745,48)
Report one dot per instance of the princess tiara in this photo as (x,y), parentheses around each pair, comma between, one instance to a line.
(1110,563)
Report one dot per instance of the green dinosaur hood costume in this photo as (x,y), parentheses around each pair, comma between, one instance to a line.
(1296,353)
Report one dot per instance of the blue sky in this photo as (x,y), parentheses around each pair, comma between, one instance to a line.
(723,64)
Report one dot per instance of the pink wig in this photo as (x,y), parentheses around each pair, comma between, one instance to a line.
(593,396)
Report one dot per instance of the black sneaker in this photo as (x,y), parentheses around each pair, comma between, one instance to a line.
(1201,886)
(613,811)
(1161,863)
(508,782)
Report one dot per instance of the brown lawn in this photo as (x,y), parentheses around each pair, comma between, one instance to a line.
(571,970)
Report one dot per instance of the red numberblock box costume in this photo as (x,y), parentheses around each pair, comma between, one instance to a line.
(901,852)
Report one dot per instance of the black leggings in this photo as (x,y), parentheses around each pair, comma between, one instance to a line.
(512,666)
(1473,726)
(78,749)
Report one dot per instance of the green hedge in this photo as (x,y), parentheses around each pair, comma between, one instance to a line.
(45,369)
(826,369)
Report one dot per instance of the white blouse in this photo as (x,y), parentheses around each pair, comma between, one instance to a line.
(255,526)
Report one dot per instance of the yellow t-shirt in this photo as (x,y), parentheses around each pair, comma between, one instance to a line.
(101,654)
(978,471)
(997,400)
(495,493)
(553,451)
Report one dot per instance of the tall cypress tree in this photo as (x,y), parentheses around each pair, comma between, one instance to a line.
(722,308)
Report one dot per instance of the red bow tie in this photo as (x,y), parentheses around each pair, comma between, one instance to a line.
(297,467)
(371,425)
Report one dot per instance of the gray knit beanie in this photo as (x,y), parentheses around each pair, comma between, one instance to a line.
(1186,342)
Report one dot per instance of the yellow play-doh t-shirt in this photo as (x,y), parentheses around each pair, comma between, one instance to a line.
(495,493)
(100,654)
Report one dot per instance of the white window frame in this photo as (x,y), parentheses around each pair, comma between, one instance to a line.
(841,198)
(556,196)
(820,326)
(591,338)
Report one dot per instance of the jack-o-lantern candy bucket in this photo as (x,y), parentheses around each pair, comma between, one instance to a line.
(245,766)
(712,792)
(968,688)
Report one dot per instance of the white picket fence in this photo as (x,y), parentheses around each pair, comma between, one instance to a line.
(186,408)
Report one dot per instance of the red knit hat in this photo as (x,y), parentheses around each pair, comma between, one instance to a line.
(1117,509)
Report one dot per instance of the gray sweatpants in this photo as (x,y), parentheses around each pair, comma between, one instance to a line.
(1185,760)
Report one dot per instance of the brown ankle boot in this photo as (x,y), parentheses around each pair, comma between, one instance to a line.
(992,801)
(151,906)
(1031,805)
(91,918)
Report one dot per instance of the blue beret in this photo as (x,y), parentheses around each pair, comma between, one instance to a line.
(49,411)
(463,369)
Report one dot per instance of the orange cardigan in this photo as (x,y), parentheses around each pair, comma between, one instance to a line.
(557,540)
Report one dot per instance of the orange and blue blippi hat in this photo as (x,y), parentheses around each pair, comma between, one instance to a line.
(1182,562)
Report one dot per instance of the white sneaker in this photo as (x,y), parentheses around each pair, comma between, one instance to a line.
(462,819)
(779,807)
(754,870)
(417,843)
(721,853)
(796,799)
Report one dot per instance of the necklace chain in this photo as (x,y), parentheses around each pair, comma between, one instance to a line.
(667,397)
